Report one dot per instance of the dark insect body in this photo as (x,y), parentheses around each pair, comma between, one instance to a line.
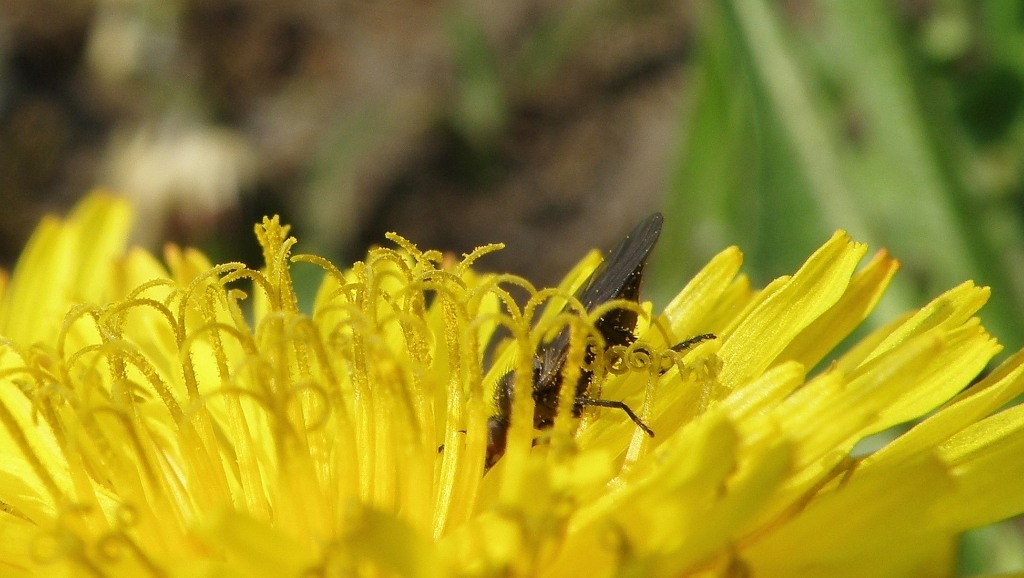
(618,277)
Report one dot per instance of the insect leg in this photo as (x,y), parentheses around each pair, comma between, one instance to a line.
(683,346)
(584,401)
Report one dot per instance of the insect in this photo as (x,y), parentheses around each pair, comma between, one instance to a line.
(618,277)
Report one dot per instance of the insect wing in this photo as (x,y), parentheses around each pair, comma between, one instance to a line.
(618,277)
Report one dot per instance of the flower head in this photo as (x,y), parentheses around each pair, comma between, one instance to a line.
(188,420)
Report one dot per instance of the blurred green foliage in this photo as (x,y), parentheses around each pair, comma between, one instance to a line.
(905,129)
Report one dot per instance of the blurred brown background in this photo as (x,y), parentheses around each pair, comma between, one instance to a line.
(552,126)
(547,125)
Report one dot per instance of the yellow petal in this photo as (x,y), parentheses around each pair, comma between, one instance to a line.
(974,404)
(64,264)
(985,461)
(874,525)
(828,330)
(782,313)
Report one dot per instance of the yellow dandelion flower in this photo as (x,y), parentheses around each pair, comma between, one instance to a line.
(185,419)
